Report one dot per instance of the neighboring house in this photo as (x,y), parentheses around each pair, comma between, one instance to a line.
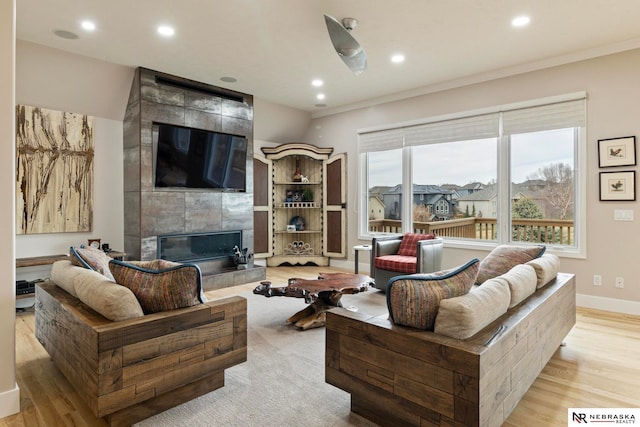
(465,190)
(437,202)
(376,203)
(484,202)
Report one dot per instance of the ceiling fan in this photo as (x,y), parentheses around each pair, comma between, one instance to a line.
(348,48)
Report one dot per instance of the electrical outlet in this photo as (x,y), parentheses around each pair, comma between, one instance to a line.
(620,282)
(597,280)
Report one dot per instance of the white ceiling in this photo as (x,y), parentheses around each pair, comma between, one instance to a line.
(276,47)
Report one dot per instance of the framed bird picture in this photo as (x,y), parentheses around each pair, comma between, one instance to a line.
(618,186)
(617,152)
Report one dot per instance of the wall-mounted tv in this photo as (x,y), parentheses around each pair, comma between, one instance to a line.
(195,158)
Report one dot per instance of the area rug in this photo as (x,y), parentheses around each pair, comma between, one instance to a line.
(282,381)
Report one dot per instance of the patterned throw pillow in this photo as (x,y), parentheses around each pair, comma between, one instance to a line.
(409,243)
(160,285)
(91,258)
(414,300)
(504,257)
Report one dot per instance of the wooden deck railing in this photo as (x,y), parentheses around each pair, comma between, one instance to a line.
(559,232)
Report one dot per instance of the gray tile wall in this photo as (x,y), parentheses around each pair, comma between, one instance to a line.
(149,212)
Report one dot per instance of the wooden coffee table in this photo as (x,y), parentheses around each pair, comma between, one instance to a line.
(321,294)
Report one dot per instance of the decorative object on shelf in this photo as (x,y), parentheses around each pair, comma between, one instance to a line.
(297,175)
(241,257)
(298,221)
(106,248)
(298,248)
(618,186)
(291,228)
(304,178)
(307,195)
(617,152)
(94,243)
(296,196)
(289,196)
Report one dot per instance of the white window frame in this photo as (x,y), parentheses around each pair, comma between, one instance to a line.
(504,213)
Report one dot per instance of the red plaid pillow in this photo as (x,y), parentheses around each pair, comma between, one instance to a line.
(410,243)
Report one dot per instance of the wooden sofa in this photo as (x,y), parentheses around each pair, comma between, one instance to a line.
(403,376)
(132,369)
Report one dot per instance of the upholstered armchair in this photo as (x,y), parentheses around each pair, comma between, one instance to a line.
(407,254)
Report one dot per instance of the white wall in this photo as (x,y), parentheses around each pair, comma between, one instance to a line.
(611,83)
(58,80)
(9,392)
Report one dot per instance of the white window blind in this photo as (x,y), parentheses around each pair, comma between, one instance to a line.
(460,129)
(559,115)
(383,140)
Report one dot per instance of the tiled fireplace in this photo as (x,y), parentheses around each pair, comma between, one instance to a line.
(186,224)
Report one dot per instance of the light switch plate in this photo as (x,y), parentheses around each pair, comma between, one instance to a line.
(623,215)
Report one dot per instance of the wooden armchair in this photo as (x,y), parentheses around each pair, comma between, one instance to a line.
(408,254)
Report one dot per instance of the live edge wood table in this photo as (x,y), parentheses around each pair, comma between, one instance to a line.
(322,295)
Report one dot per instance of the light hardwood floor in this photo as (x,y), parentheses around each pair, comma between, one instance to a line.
(599,367)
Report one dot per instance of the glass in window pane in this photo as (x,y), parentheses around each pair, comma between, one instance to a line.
(454,189)
(384,201)
(542,187)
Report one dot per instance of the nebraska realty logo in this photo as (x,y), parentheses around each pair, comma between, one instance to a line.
(581,416)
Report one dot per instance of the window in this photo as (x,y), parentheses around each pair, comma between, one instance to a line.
(457,167)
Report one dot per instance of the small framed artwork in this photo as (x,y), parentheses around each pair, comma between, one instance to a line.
(618,186)
(617,152)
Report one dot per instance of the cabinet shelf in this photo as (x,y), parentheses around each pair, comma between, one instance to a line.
(299,232)
(297,183)
(298,205)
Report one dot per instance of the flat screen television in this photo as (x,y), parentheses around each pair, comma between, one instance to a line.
(195,158)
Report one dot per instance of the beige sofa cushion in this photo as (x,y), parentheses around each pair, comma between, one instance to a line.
(464,316)
(522,281)
(546,268)
(63,274)
(113,301)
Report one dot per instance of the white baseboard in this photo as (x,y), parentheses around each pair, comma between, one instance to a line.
(10,402)
(349,265)
(608,304)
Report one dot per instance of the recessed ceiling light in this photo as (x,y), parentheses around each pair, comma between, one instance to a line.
(520,21)
(88,25)
(229,79)
(65,34)
(317,82)
(165,30)
(397,58)
(320,96)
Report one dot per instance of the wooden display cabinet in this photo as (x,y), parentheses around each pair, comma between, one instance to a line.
(300,202)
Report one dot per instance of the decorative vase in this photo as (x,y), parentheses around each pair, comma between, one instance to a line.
(297,175)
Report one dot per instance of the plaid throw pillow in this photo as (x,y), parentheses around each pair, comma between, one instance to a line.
(160,285)
(409,243)
(414,300)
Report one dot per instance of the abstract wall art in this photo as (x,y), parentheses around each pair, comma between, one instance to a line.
(54,171)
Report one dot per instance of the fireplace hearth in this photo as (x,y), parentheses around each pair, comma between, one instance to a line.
(198,246)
